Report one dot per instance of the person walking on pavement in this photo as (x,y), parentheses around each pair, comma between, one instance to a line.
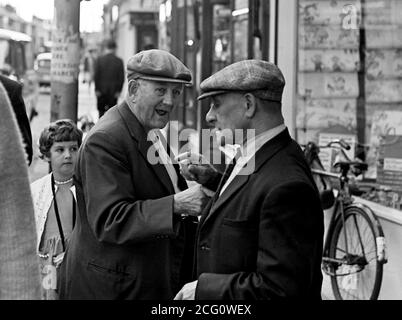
(261,235)
(134,236)
(108,78)
(89,67)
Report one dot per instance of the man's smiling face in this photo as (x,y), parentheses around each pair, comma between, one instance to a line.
(154,102)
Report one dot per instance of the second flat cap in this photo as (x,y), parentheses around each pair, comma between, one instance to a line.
(158,65)
(261,77)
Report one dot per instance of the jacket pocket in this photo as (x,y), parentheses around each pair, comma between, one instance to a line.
(106,270)
(241,224)
(238,245)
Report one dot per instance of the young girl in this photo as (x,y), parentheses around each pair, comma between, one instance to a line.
(54,199)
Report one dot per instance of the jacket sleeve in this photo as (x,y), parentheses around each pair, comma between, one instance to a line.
(22,119)
(289,250)
(120,75)
(114,213)
(97,76)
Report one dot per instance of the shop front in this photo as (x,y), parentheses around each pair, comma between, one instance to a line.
(343,65)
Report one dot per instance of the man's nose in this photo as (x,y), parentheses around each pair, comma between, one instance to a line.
(210,117)
(168,98)
(67,154)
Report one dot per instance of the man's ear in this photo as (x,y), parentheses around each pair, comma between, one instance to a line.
(133,86)
(250,105)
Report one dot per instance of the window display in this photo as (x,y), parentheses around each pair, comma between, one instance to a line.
(349,83)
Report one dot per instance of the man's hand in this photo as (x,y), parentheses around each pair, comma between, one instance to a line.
(195,167)
(190,201)
(187,292)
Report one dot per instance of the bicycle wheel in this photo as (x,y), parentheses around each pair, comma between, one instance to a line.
(359,275)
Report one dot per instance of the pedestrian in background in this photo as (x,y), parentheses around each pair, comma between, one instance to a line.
(109,78)
(54,200)
(19,272)
(89,67)
(260,237)
(134,237)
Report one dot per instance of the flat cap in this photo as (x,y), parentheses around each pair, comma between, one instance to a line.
(158,65)
(262,78)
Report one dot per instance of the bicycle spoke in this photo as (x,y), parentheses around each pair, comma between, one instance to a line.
(355,281)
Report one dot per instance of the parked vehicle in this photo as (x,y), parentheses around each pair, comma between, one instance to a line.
(42,68)
(13,53)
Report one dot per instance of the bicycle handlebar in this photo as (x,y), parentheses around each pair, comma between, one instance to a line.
(341,142)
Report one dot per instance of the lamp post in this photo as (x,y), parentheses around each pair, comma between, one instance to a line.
(65,60)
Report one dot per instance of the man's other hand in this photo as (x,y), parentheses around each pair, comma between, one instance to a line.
(190,201)
(195,167)
(187,292)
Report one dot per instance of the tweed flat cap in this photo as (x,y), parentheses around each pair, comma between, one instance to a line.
(158,65)
(262,78)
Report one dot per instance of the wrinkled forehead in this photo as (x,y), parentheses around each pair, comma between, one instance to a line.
(219,98)
(164,84)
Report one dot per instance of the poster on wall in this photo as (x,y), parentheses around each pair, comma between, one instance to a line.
(384,91)
(383,63)
(386,36)
(327,37)
(324,113)
(328,85)
(380,12)
(329,12)
(345,60)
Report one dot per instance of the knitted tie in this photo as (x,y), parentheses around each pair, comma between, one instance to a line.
(228,171)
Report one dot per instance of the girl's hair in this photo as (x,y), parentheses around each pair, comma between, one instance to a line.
(58,131)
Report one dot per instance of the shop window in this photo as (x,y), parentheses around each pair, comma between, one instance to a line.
(221,37)
(349,83)
(240,29)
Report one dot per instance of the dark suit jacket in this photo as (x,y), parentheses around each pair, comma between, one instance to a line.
(14,92)
(109,74)
(127,243)
(262,239)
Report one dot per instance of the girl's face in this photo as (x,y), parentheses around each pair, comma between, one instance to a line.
(63,156)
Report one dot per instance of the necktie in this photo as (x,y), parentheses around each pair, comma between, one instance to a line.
(165,159)
(228,171)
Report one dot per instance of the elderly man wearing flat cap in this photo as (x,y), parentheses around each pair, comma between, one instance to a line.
(134,236)
(260,237)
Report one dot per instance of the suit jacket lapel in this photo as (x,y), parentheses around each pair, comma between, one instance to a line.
(266,152)
(138,133)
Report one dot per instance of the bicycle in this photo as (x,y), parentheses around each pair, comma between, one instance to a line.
(354,248)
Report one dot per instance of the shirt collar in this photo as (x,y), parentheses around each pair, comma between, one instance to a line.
(252,145)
